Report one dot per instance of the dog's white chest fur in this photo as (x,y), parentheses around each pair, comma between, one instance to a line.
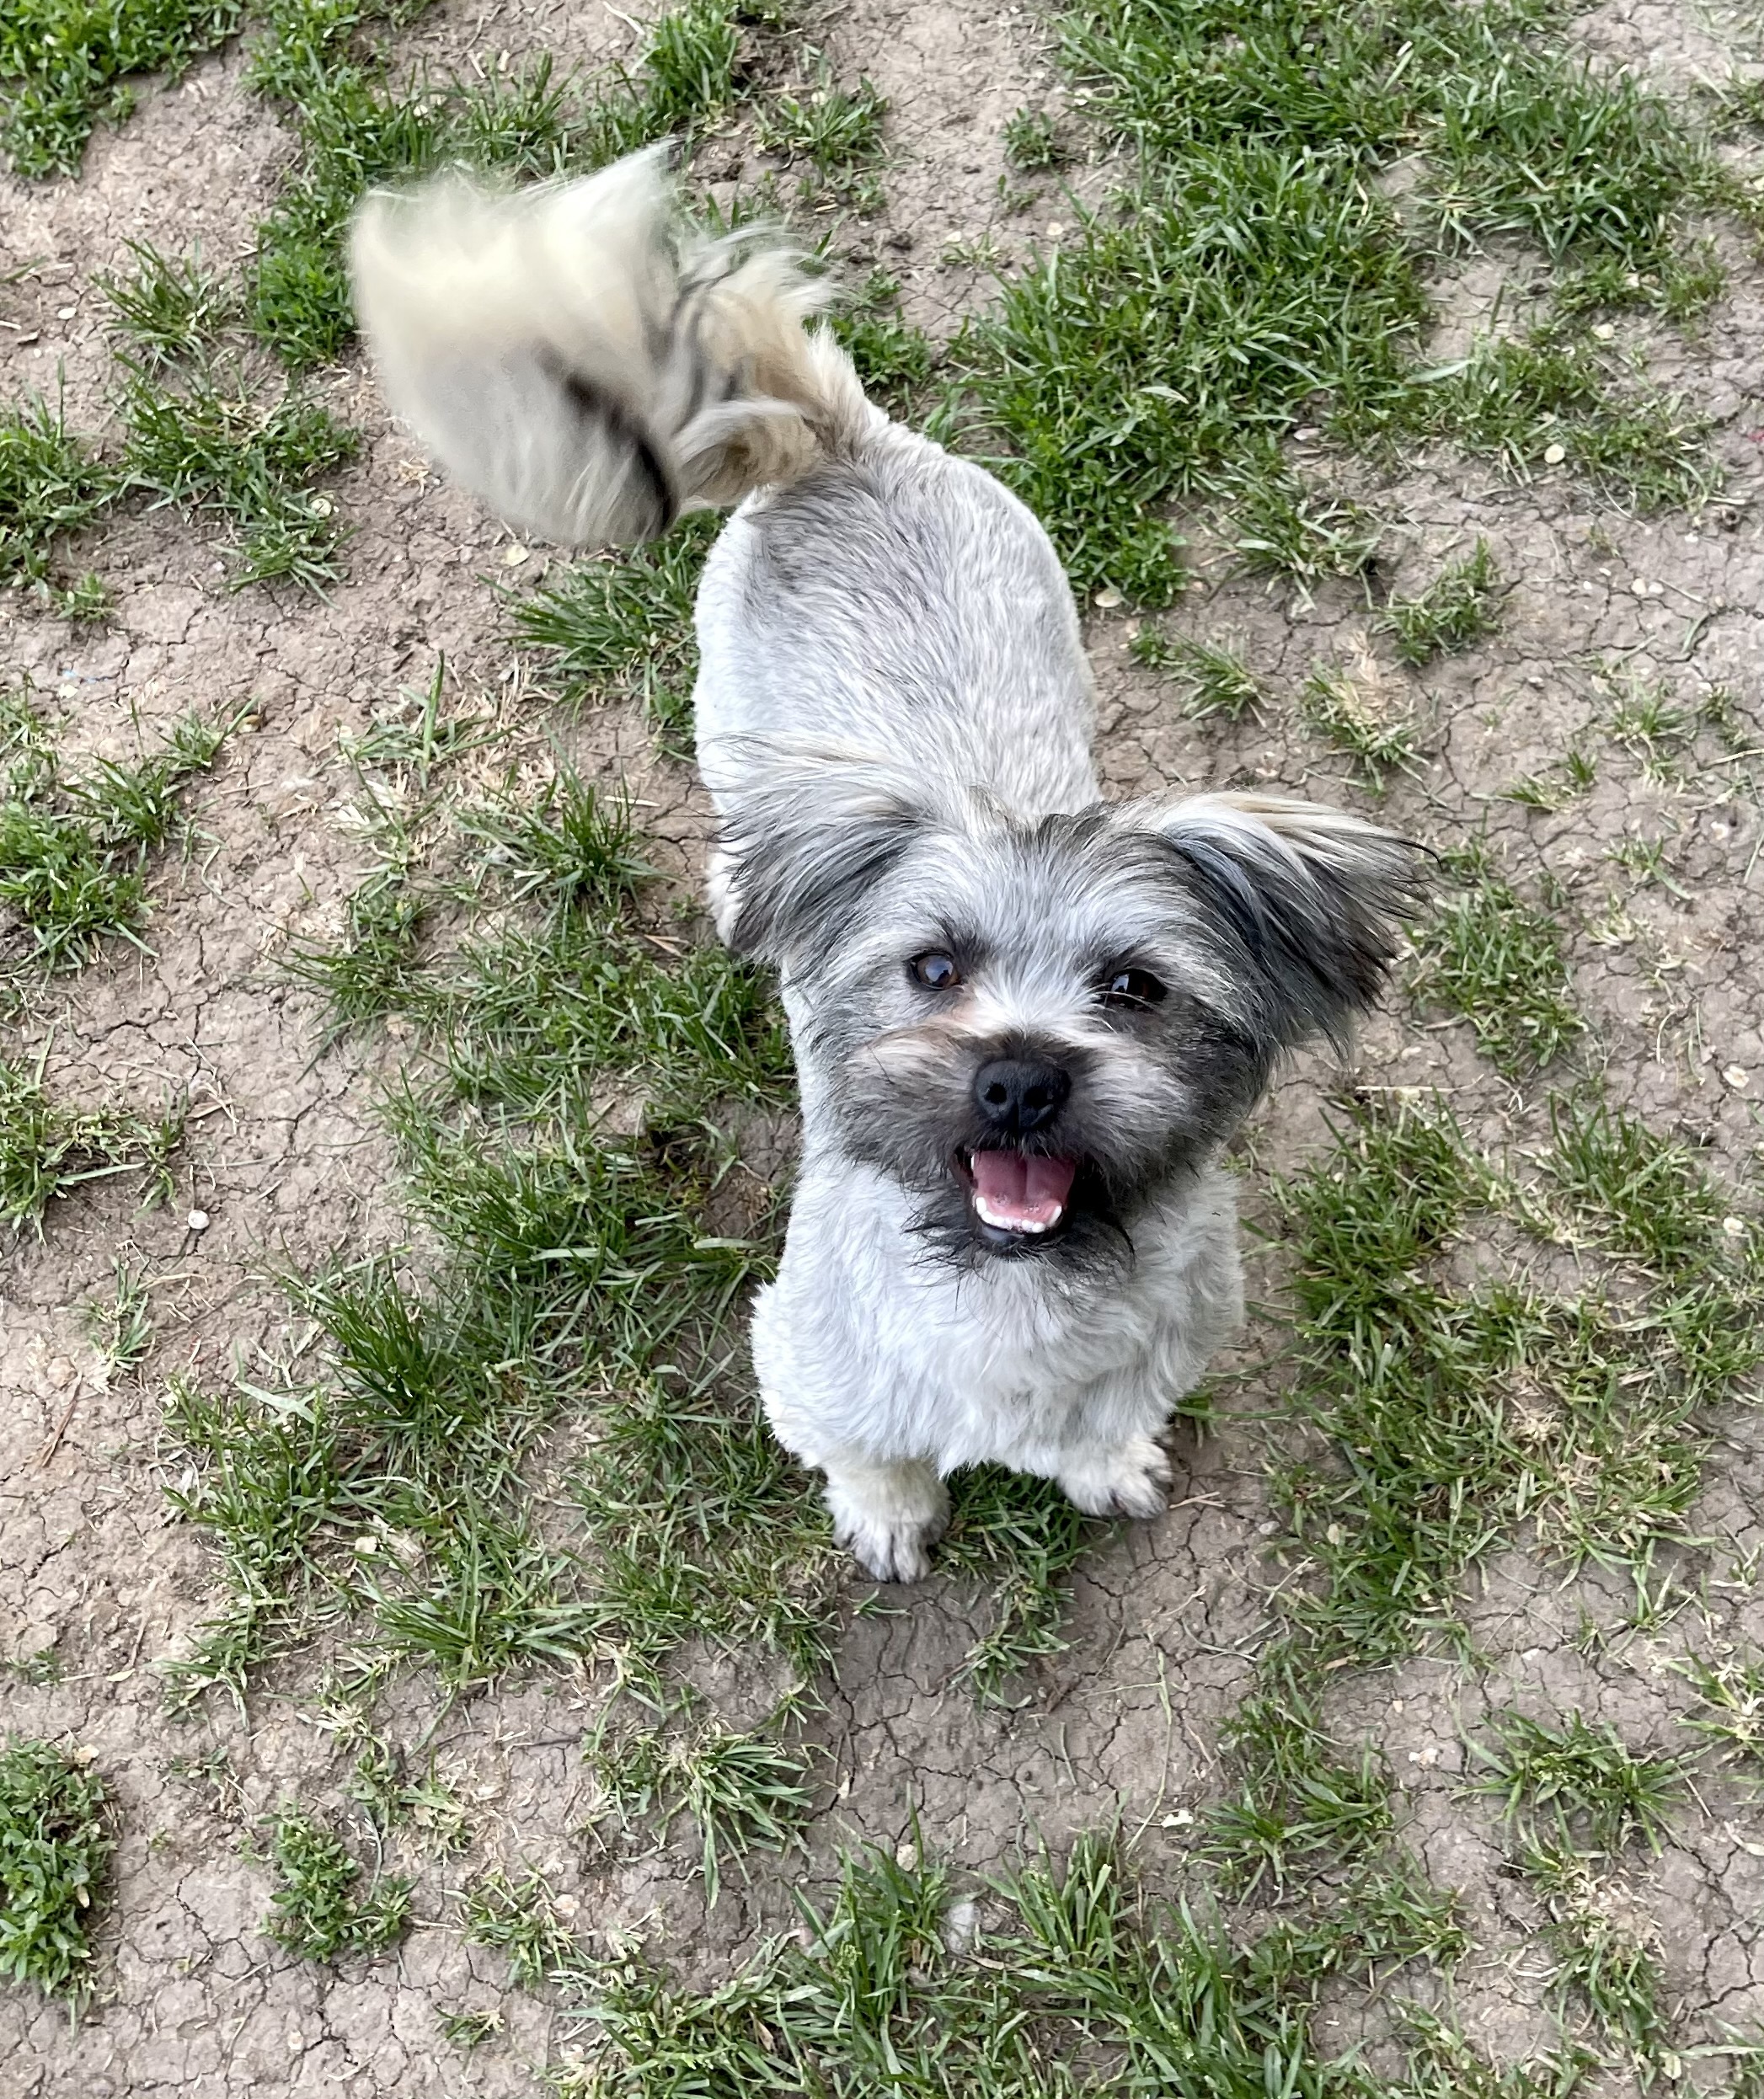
(871,1345)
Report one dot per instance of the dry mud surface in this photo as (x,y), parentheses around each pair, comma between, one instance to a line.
(288,1162)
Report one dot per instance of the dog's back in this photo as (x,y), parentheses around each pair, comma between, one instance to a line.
(592,373)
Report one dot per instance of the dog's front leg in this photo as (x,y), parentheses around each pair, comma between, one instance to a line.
(888,1516)
(1130,1478)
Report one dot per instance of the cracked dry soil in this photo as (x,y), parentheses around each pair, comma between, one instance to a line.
(287,1161)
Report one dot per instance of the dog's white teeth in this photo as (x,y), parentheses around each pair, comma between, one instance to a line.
(1033,1228)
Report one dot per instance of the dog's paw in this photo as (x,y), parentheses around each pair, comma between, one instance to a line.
(1133,1479)
(889,1522)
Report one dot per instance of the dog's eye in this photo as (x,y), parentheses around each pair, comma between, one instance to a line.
(1132,987)
(938,971)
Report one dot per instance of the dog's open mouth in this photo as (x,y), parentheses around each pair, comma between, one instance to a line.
(1018,1193)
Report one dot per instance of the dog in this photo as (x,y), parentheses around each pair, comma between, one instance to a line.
(1025,1021)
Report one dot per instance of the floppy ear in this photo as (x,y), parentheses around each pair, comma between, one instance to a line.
(804,838)
(1302,902)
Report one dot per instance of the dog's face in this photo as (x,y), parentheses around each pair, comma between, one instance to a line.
(1034,1027)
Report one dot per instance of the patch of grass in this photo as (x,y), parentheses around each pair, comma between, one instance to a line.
(216,448)
(1295,1803)
(55,1838)
(1024,1537)
(74,849)
(120,1326)
(1730,1688)
(520,1918)
(895,360)
(65,67)
(1489,957)
(1357,706)
(837,128)
(1454,612)
(1217,678)
(1032,141)
(318,1909)
(1285,528)
(1160,352)
(469,2029)
(87,601)
(741,1790)
(48,1149)
(51,483)
(1083,1979)
(689,68)
(1607,1950)
(1638,1194)
(620,631)
(1579,1784)
(1452,1416)
(1252,278)
(1537,402)
(168,308)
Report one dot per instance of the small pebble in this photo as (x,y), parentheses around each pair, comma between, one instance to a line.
(1553,455)
(1737,1076)
(65,312)
(512,557)
(1054,229)
(367,1545)
(197,1220)
(321,506)
(1735,1227)
(1604,331)
(1106,600)
(1181,1819)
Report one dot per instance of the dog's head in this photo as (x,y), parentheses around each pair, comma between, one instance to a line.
(1034,1025)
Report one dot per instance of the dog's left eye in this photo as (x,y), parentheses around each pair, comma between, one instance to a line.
(1132,987)
(938,971)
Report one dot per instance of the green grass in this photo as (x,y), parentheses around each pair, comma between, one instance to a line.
(47,1149)
(1357,706)
(1251,279)
(837,128)
(119,1325)
(1579,1785)
(609,632)
(1576,1796)
(1456,611)
(216,447)
(740,1789)
(520,1918)
(1217,678)
(1032,141)
(168,309)
(1489,957)
(1730,1688)
(54,1840)
(319,1908)
(1453,1418)
(895,360)
(51,484)
(75,848)
(65,67)
(1083,1985)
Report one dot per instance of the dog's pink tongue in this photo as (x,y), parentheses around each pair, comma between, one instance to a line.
(1019,1193)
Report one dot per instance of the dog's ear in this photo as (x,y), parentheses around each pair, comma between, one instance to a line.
(804,838)
(1301,904)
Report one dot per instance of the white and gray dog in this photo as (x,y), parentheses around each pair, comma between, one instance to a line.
(1024,1021)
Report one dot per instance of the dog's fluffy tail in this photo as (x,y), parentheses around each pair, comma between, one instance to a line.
(575,360)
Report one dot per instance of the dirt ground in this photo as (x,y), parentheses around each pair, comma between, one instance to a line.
(288,1162)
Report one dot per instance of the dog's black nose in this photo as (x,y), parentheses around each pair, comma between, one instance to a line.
(1016,1095)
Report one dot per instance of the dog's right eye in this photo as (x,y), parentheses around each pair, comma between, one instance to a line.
(936,971)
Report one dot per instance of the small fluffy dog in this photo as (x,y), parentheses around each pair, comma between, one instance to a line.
(1025,1021)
